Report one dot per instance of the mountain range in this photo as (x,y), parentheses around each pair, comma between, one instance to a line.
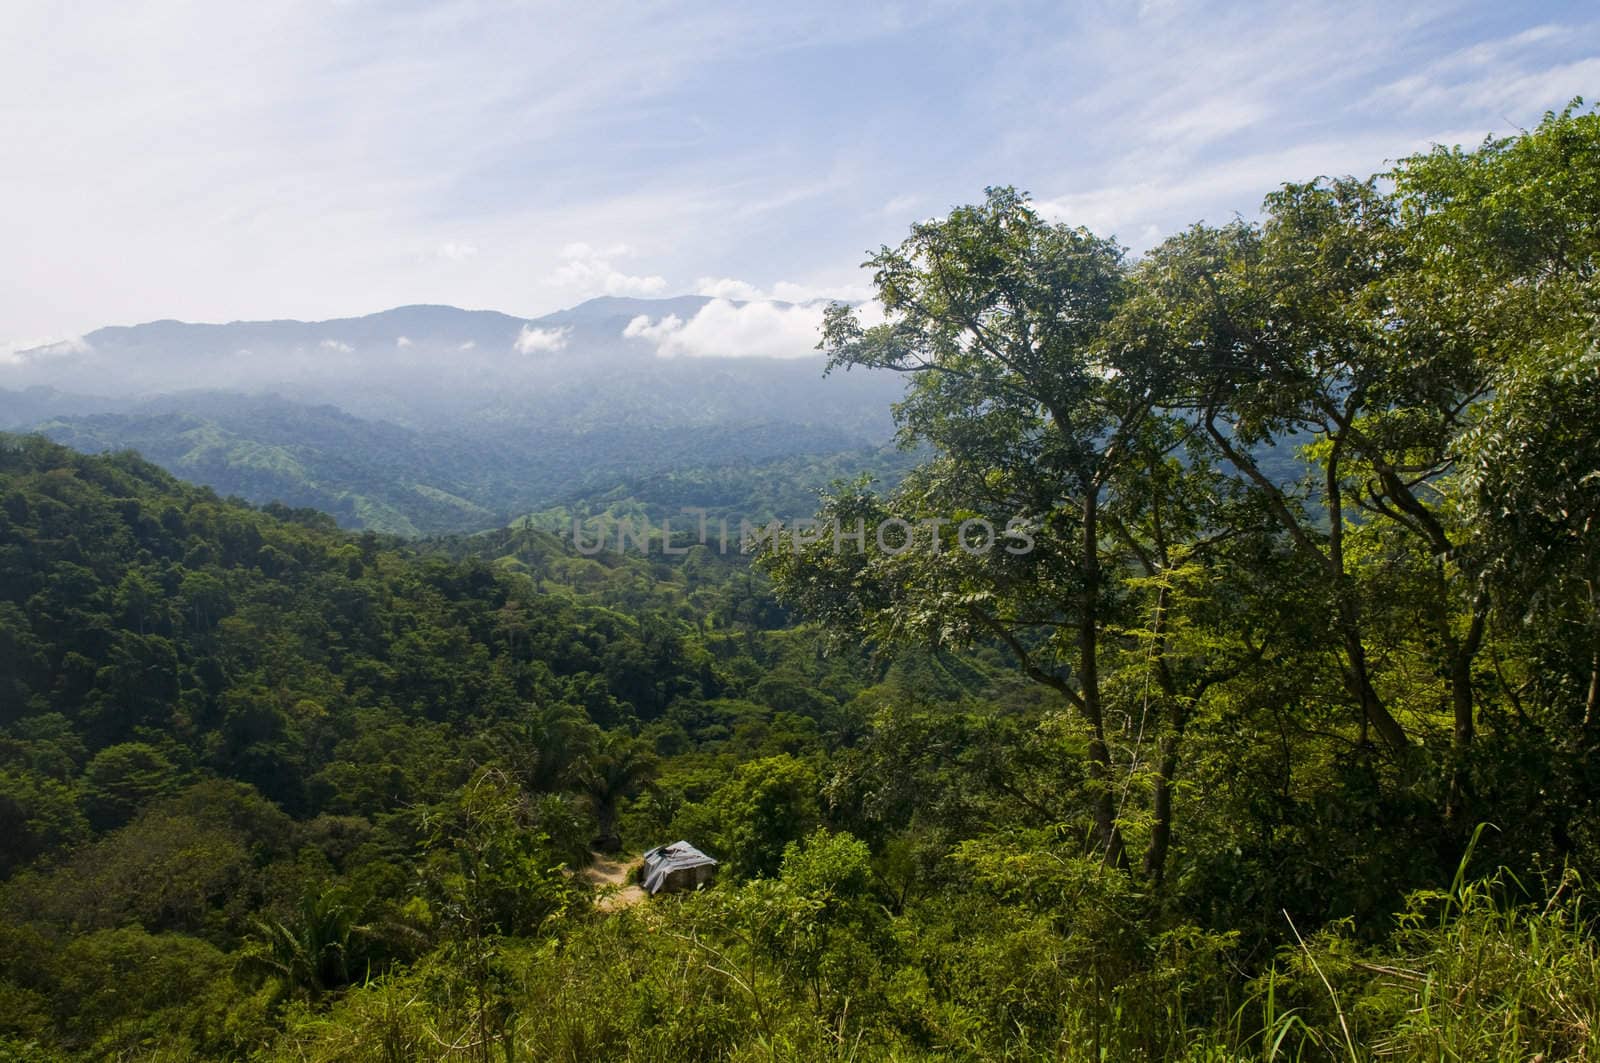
(433,419)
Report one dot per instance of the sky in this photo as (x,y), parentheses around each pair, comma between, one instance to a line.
(214,161)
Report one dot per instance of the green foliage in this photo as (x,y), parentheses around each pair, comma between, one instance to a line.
(308,955)
(490,870)
(1308,599)
(312,462)
(753,817)
(113,993)
(616,770)
(38,815)
(187,862)
(121,778)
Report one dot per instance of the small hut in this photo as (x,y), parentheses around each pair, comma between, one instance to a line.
(679,866)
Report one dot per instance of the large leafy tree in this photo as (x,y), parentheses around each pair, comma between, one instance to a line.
(1513,259)
(1284,330)
(1402,337)
(1023,526)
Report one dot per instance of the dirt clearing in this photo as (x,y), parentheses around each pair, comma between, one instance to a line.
(610,879)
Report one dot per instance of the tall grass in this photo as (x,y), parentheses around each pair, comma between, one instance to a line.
(1477,972)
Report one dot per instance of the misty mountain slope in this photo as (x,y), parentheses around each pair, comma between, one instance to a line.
(432,419)
(785,489)
(30,405)
(468,425)
(439,367)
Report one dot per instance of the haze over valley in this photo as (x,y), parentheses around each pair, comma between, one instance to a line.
(430,419)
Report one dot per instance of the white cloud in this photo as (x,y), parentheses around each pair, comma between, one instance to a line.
(1197,117)
(1128,209)
(582,250)
(724,329)
(588,272)
(70,345)
(805,293)
(870,312)
(540,340)
(455,251)
(782,291)
(344,156)
(1551,89)
(726,288)
(1213,118)
(336,345)
(1494,77)
(344,145)
(402,341)
(640,327)
(469,345)
(1158,10)
(17,351)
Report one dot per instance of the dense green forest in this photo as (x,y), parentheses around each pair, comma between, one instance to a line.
(377,476)
(1263,723)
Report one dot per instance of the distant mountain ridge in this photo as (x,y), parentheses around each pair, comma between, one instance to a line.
(425,419)
(426,366)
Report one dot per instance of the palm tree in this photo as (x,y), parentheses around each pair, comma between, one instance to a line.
(619,767)
(559,737)
(308,957)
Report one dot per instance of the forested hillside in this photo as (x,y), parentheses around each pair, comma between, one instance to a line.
(1215,676)
(376,476)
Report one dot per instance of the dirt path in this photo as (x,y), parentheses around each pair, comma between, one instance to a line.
(610,878)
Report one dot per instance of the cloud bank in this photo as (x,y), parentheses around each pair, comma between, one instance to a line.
(726,329)
(541,340)
(588,271)
(484,153)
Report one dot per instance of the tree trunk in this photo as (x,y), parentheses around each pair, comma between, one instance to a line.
(1373,711)
(1108,838)
(1591,705)
(1331,562)
(1462,653)
(609,840)
(1155,855)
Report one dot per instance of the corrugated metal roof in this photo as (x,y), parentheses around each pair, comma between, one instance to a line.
(663,860)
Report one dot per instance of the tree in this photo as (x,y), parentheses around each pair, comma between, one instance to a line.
(121,778)
(1273,355)
(1038,425)
(307,955)
(618,768)
(1382,333)
(37,815)
(754,816)
(557,740)
(1507,237)
(817,923)
(488,874)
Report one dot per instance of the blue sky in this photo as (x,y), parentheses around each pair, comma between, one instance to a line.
(214,161)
